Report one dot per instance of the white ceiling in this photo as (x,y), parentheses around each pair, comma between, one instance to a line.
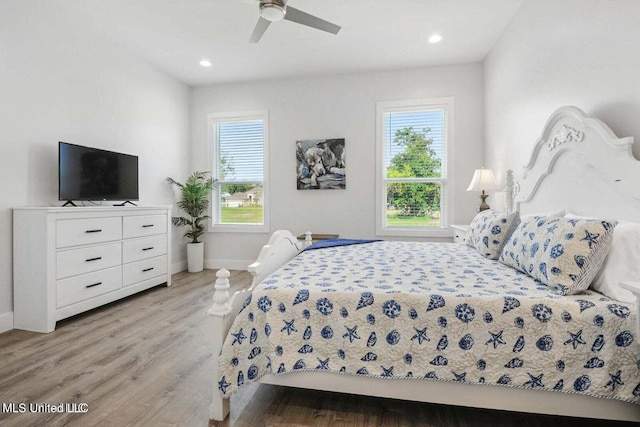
(174,35)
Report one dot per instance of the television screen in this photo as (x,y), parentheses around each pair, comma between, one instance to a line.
(86,173)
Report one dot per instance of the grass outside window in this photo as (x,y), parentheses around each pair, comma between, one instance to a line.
(241,215)
(396,219)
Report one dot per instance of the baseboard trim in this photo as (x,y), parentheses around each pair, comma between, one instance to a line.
(177,267)
(229,264)
(6,322)
(213,264)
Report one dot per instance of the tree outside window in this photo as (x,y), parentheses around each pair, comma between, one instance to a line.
(412,171)
(414,203)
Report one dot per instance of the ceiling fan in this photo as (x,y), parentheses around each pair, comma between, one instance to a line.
(277,10)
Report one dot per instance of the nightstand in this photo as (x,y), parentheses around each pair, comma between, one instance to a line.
(460,233)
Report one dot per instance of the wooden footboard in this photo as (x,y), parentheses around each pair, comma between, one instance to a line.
(281,247)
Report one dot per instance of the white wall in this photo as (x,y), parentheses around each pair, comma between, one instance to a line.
(555,53)
(336,107)
(58,82)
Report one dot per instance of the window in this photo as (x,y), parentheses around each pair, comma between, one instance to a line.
(412,144)
(239,159)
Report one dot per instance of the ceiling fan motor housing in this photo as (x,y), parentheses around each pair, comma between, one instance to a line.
(277,10)
(272,10)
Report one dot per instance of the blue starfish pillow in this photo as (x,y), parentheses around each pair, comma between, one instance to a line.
(490,230)
(565,254)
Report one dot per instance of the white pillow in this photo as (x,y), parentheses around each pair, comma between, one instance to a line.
(622,263)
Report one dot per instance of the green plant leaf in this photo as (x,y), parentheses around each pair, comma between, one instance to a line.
(194,202)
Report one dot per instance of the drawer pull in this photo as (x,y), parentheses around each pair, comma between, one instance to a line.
(93,259)
(147,225)
(147,249)
(93,231)
(95,284)
(147,269)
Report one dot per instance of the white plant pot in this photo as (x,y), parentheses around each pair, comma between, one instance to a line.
(195,257)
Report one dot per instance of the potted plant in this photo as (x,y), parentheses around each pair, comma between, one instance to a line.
(194,202)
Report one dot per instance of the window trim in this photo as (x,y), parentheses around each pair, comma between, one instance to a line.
(214,208)
(382,229)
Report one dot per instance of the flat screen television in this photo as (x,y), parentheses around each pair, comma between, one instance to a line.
(86,173)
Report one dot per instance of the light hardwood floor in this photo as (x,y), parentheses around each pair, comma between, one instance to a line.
(146,360)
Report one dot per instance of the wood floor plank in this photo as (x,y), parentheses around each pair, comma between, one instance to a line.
(146,361)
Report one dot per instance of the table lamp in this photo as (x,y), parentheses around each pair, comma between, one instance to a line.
(483,179)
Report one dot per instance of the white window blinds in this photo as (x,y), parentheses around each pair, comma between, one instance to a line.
(241,151)
(239,157)
(430,123)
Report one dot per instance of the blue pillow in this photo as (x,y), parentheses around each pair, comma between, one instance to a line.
(490,230)
(565,254)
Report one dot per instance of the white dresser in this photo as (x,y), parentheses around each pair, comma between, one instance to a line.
(72,259)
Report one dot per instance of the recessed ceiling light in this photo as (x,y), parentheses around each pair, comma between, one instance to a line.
(205,63)
(435,38)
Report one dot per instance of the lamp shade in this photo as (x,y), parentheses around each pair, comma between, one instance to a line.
(483,179)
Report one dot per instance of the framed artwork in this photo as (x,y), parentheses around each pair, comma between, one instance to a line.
(320,164)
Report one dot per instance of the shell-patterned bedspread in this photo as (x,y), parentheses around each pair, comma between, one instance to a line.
(434,311)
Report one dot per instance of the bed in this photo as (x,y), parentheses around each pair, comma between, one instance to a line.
(446,323)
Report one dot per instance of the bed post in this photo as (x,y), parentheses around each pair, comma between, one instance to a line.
(508,191)
(281,247)
(220,311)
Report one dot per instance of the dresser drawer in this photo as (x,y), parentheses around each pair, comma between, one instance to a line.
(143,225)
(80,288)
(87,259)
(143,270)
(148,247)
(75,232)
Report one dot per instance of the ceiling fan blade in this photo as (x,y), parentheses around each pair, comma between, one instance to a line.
(258,31)
(300,17)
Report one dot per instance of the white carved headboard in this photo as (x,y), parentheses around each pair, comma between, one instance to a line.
(580,165)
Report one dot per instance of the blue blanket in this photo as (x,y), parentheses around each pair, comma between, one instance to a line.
(330,243)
